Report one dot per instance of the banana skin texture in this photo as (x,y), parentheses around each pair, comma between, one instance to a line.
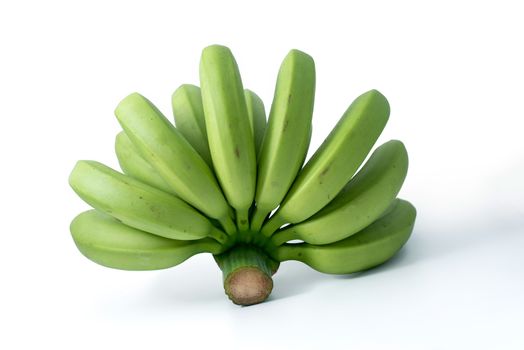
(286,141)
(368,248)
(133,165)
(139,205)
(190,120)
(367,195)
(257,117)
(228,128)
(172,156)
(110,243)
(335,162)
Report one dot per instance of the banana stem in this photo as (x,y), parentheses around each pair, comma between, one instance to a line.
(218,235)
(288,252)
(243,219)
(274,223)
(228,225)
(231,213)
(282,236)
(247,274)
(258,219)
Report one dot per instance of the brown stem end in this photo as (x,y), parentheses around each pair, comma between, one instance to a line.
(248,286)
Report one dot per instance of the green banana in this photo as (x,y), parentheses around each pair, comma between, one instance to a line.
(228,129)
(366,196)
(190,120)
(110,243)
(370,247)
(335,162)
(227,182)
(132,164)
(171,155)
(257,117)
(139,205)
(286,141)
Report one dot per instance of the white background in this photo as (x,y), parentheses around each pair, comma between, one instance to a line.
(453,73)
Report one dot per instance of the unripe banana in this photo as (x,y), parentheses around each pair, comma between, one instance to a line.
(171,155)
(230,138)
(287,138)
(110,243)
(257,117)
(190,119)
(366,196)
(132,164)
(139,205)
(335,162)
(185,186)
(370,247)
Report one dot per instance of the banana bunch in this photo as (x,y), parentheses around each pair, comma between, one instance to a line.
(226,182)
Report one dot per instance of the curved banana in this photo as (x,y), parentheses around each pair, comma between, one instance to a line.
(132,164)
(174,159)
(366,196)
(139,205)
(335,162)
(110,243)
(257,117)
(370,247)
(190,120)
(228,130)
(286,141)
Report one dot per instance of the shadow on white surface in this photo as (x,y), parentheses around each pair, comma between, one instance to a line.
(294,278)
(445,239)
(198,281)
(403,258)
